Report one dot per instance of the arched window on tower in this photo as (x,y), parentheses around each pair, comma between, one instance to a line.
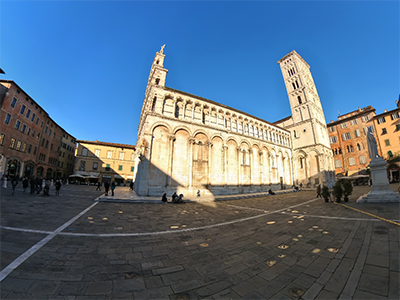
(157,81)
(299,99)
(203,117)
(176,111)
(153,106)
(294,86)
(297,84)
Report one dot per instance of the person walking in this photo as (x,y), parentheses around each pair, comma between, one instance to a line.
(33,185)
(319,191)
(131,185)
(25,184)
(106,187)
(58,187)
(112,188)
(14,183)
(98,186)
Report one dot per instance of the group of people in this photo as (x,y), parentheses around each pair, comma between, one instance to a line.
(37,186)
(106,187)
(175,198)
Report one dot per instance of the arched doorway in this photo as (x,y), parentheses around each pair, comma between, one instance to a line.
(49,173)
(29,167)
(39,172)
(394,173)
(13,168)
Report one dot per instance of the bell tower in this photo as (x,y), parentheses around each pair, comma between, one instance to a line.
(307,124)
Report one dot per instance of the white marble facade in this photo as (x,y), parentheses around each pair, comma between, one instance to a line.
(187,143)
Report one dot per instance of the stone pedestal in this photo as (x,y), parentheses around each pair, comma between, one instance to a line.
(380,191)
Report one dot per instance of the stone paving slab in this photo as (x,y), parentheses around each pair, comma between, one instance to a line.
(286,246)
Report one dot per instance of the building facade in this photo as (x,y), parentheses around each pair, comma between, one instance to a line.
(348,140)
(100,161)
(66,160)
(387,127)
(188,143)
(29,139)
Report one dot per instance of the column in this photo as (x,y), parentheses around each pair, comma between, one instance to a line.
(260,153)
(184,109)
(209,162)
(250,165)
(238,164)
(191,142)
(225,150)
(171,157)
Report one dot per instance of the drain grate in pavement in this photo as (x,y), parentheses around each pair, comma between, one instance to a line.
(182,296)
(296,292)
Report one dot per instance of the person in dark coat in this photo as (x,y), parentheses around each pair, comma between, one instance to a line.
(106,187)
(271,192)
(98,186)
(164,198)
(112,188)
(58,187)
(14,183)
(25,184)
(33,185)
(131,185)
(319,191)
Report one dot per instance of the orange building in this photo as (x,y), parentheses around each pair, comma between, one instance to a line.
(387,127)
(348,139)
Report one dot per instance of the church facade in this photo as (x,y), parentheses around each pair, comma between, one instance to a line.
(188,143)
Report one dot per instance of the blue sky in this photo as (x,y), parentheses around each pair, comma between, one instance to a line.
(87,62)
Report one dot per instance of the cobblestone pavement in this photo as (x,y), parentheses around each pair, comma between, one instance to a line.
(286,246)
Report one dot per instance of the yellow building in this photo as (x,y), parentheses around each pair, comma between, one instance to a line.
(100,161)
(387,127)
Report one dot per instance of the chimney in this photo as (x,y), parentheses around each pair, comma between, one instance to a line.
(385,110)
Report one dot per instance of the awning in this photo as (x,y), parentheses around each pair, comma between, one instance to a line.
(77,175)
(118,176)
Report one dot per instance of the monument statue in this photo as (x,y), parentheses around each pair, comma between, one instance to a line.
(372,146)
(162,49)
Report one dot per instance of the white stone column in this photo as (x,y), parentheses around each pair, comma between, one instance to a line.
(209,162)
(239,165)
(191,142)
(184,110)
(225,150)
(250,165)
(261,166)
(171,158)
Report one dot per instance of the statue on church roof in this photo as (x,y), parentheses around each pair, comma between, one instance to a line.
(162,49)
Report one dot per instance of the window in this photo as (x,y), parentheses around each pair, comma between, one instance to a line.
(352,161)
(37,120)
(346,136)
(363,160)
(29,148)
(332,129)
(97,152)
(82,165)
(7,119)
(301,161)
(333,139)
(95,165)
(45,129)
(132,169)
(354,122)
(381,120)
(387,142)
(84,152)
(47,144)
(2,138)
(17,124)
(12,143)
(394,116)
(107,167)
(41,124)
(43,140)
(360,147)
(120,168)
(384,131)
(38,136)
(343,125)
(176,111)
(338,163)
(365,118)
(14,100)
(29,131)
(23,128)
(132,156)
(23,147)
(34,151)
(357,133)
(299,99)
(28,113)
(109,154)
(22,111)
(369,128)
(121,155)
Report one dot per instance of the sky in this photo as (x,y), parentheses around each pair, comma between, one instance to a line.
(87,62)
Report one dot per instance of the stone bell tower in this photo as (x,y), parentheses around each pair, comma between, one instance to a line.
(313,159)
